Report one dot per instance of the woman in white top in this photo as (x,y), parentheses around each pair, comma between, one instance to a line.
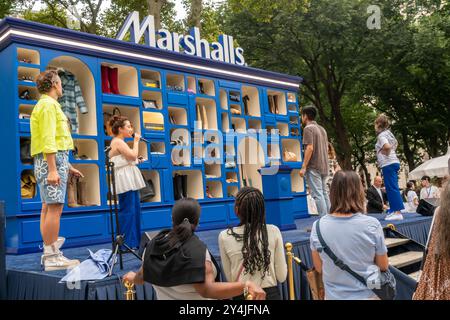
(253,250)
(389,163)
(128,179)
(412,200)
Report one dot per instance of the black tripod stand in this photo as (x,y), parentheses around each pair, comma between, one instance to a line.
(118,239)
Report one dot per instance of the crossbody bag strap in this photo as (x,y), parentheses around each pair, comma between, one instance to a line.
(338,262)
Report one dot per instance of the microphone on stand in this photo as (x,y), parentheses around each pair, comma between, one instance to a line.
(142,139)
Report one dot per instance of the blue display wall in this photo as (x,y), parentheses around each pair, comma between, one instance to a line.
(188,89)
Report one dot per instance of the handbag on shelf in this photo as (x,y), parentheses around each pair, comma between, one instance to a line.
(289,156)
(106,117)
(25,152)
(149,104)
(235,96)
(148,191)
(27,185)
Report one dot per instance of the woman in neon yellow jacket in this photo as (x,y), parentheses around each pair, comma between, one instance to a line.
(51,142)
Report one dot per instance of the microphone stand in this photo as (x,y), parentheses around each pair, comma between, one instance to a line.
(117,238)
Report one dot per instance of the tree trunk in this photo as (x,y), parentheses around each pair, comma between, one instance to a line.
(154,9)
(344,150)
(194,18)
(409,154)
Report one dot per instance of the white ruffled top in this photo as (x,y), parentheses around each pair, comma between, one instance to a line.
(127,175)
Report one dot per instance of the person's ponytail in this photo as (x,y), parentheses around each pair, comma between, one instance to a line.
(181,232)
(185,218)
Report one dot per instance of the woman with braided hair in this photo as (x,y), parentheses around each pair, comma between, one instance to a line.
(253,250)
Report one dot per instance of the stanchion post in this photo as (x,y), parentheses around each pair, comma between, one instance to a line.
(290,270)
(130,293)
(2,253)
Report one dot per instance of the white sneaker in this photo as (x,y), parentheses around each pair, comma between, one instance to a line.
(394,216)
(53,259)
(58,262)
(47,251)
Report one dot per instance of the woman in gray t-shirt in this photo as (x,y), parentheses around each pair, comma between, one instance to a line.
(355,238)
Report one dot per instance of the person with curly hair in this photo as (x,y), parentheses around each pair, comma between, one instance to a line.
(51,142)
(253,250)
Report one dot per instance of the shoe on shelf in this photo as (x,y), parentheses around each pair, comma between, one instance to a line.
(394,216)
(25,95)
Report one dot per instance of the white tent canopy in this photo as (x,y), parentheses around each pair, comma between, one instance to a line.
(434,167)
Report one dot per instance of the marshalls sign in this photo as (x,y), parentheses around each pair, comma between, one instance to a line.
(192,44)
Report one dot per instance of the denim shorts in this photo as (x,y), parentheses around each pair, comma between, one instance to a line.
(52,194)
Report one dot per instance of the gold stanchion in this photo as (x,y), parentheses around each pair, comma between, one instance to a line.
(129,294)
(391,226)
(290,256)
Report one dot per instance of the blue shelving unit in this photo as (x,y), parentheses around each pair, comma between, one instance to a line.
(178,91)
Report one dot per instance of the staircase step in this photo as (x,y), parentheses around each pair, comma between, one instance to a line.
(405,259)
(393,242)
(415,275)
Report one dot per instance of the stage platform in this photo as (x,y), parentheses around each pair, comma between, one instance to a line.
(26,280)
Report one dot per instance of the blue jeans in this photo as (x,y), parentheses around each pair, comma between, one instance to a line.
(318,187)
(390,175)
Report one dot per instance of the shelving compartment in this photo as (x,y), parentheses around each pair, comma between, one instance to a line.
(85,149)
(27,74)
(153,121)
(132,113)
(28,92)
(158,148)
(87,122)
(277,102)
(28,185)
(223,99)
(283,129)
(297,182)
(150,79)
(214,189)
(194,182)
(207,87)
(292,145)
(239,125)
(175,82)
(250,96)
(192,85)
(181,156)
(250,159)
(152,100)
(28,56)
(225,122)
(178,116)
(210,111)
(231,177)
(127,79)
(254,124)
(25,151)
(232,191)
(154,176)
(213,171)
(91,182)
(292,97)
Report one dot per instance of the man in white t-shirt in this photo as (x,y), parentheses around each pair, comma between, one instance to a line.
(428,191)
